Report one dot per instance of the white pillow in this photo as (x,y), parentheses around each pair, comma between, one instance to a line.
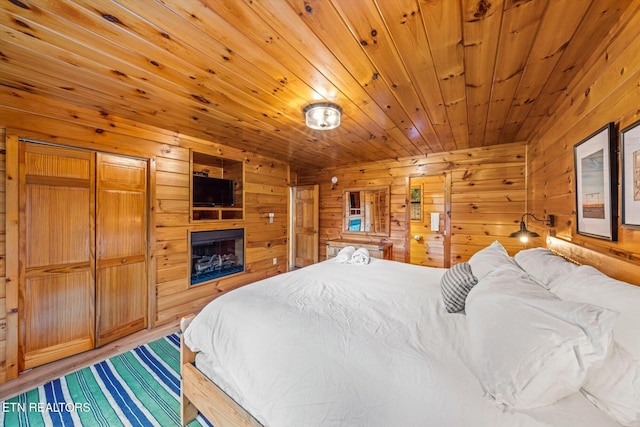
(588,285)
(530,348)
(543,266)
(488,259)
(615,386)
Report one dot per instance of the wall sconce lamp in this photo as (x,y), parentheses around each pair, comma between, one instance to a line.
(334,182)
(523,234)
(322,115)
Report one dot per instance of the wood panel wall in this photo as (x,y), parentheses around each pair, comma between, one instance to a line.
(487,196)
(266,188)
(607,90)
(3,256)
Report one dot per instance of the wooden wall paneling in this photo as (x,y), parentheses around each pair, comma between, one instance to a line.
(175,306)
(603,91)
(9,357)
(105,135)
(487,201)
(266,190)
(609,264)
(599,87)
(175,179)
(497,200)
(3,255)
(22,104)
(603,16)
(152,262)
(268,181)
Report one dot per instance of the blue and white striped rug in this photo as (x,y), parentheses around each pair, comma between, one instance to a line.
(137,388)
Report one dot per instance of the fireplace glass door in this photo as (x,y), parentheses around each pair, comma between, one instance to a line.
(216,253)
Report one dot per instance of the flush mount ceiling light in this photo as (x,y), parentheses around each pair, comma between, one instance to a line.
(322,115)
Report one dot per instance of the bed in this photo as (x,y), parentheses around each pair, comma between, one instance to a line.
(382,344)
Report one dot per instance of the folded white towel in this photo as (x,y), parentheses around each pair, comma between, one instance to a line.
(344,255)
(360,256)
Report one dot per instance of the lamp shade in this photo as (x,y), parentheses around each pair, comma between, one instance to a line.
(322,115)
(523,234)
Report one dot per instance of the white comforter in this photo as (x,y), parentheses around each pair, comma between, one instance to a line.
(354,345)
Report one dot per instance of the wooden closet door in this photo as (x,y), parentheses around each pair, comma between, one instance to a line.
(121,247)
(56,277)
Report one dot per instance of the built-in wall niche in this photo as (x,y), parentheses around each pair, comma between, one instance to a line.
(216,188)
(216,254)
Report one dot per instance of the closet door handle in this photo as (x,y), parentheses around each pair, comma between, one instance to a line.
(123,261)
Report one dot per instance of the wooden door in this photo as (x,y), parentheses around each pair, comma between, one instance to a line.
(56,276)
(428,232)
(305,224)
(121,247)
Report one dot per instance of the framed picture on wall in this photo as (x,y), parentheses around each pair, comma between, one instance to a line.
(630,163)
(416,203)
(596,184)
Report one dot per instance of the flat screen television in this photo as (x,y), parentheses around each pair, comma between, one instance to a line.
(212,192)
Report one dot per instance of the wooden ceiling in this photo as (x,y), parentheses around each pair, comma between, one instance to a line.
(413,76)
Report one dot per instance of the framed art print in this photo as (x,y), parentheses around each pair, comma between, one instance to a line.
(416,203)
(630,163)
(596,184)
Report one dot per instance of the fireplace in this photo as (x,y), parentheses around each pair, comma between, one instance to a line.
(216,253)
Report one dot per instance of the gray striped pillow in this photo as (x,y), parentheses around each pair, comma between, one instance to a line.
(456,284)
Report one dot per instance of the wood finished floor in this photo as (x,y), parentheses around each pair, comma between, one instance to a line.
(42,374)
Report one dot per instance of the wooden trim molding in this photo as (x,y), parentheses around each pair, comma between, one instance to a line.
(610,265)
(152,272)
(12,250)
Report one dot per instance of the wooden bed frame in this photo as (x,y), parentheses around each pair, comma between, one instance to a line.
(199,394)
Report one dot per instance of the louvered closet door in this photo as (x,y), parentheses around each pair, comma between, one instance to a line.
(56,280)
(121,246)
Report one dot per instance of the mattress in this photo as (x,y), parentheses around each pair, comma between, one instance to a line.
(355,345)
